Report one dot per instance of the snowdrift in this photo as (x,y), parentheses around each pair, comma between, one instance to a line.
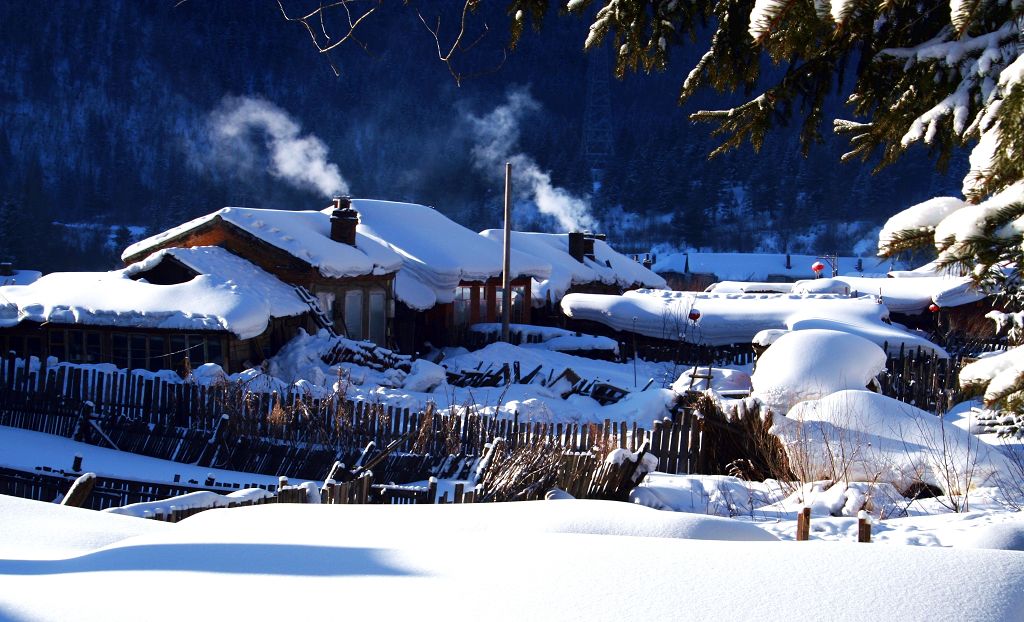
(864,436)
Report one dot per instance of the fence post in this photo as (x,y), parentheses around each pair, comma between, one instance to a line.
(803,525)
(80,490)
(863,527)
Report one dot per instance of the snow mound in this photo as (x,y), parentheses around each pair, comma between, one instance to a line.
(810,364)
(36,530)
(719,495)
(1002,536)
(424,376)
(864,436)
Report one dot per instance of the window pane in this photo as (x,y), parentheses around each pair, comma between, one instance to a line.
(93,351)
(76,346)
(213,351)
(57,344)
(119,350)
(463,306)
(378,317)
(196,351)
(137,352)
(354,314)
(482,317)
(33,346)
(519,303)
(156,354)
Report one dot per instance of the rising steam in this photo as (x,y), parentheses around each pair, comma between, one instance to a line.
(298,160)
(496,134)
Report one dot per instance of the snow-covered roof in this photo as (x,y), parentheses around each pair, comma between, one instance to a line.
(754,266)
(228,294)
(735,318)
(306,235)
(436,252)
(608,267)
(21,277)
(900,295)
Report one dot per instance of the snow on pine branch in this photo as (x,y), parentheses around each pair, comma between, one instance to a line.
(977,60)
(766,15)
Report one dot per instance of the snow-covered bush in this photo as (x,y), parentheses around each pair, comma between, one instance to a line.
(863,436)
(813,363)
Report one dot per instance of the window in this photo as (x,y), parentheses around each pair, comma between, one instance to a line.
(76,346)
(462,307)
(378,317)
(58,346)
(156,359)
(33,346)
(481,315)
(519,303)
(213,351)
(137,351)
(499,303)
(119,350)
(93,349)
(354,313)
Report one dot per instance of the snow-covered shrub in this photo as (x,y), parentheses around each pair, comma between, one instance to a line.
(813,363)
(863,436)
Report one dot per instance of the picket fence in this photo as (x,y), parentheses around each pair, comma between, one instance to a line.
(293,434)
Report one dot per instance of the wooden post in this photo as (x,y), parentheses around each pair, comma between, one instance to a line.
(506,277)
(432,490)
(80,490)
(76,464)
(863,527)
(459,488)
(803,525)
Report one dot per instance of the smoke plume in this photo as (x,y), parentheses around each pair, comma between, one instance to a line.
(299,160)
(496,135)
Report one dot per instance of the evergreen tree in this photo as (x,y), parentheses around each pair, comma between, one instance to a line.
(943,74)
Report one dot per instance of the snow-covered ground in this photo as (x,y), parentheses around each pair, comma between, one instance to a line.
(544,560)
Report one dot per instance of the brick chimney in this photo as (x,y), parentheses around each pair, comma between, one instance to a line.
(344,219)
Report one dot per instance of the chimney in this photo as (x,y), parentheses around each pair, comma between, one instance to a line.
(6,269)
(588,244)
(344,219)
(576,245)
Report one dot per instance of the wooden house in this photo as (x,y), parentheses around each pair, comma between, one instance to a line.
(203,304)
(580,263)
(350,275)
(450,276)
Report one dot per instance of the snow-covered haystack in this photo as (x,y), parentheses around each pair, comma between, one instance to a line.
(863,436)
(813,363)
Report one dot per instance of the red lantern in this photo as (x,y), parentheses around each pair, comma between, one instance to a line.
(694,315)
(934,308)
(817,267)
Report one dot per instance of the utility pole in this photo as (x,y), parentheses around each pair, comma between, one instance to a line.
(506,278)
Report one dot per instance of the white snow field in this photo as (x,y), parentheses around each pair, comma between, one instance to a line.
(544,560)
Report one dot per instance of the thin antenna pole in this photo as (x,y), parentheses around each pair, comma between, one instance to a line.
(506,277)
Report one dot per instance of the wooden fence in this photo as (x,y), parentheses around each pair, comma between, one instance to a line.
(230,427)
(923,380)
